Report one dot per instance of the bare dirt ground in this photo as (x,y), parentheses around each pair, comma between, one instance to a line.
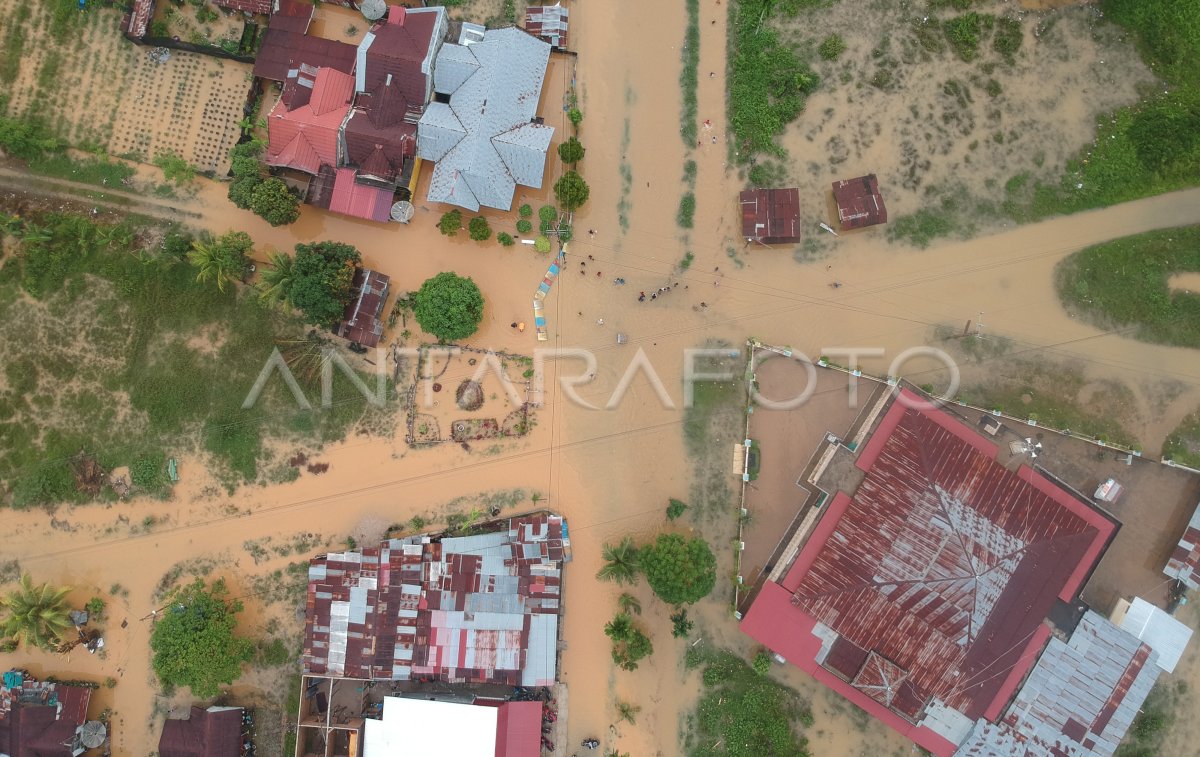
(899,104)
(610,471)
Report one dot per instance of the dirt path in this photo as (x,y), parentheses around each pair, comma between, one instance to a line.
(77,193)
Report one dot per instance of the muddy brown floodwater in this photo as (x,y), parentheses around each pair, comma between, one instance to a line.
(609,471)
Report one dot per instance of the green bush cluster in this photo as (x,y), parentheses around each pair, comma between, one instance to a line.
(832,47)
(685,217)
(690,73)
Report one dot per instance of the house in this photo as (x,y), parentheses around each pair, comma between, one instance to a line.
(771,216)
(1184,563)
(859,202)
(362,323)
(481,608)
(212,732)
(286,45)
(420,726)
(549,23)
(253,7)
(303,127)
(930,579)
(41,718)
(481,129)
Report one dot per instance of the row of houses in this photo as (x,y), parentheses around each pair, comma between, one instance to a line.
(355,123)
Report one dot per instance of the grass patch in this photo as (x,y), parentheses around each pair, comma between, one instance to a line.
(1183,444)
(685,217)
(689,76)
(116,364)
(1144,149)
(744,713)
(1154,721)
(714,420)
(768,81)
(965,32)
(1123,284)
(921,228)
(98,171)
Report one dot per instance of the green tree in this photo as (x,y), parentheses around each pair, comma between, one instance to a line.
(524,226)
(448,306)
(621,562)
(451,222)
(241,190)
(629,643)
(629,604)
(575,115)
(275,281)
(571,151)
(542,243)
(628,712)
(505,239)
(37,615)
(675,508)
(194,643)
(223,259)
(27,138)
(571,190)
(525,211)
(274,202)
(479,230)
(322,276)
(175,169)
(762,663)
(680,571)
(680,625)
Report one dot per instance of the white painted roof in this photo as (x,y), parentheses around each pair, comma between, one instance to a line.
(1161,632)
(420,727)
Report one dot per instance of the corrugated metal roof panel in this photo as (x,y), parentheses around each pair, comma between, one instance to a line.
(1163,633)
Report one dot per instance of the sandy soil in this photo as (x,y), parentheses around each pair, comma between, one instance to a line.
(934,127)
(609,471)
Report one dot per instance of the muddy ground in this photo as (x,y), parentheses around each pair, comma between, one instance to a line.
(611,471)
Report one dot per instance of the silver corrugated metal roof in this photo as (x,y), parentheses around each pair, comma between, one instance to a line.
(1163,633)
(542,651)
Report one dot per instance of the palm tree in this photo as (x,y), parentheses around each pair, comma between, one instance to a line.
(220,260)
(626,711)
(36,614)
(620,562)
(276,281)
(619,628)
(629,604)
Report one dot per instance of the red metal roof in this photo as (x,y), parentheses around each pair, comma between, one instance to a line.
(548,22)
(859,202)
(306,137)
(401,43)
(203,734)
(259,7)
(519,730)
(943,564)
(361,322)
(139,18)
(282,51)
(771,216)
(378,140)
(361,201)
(292,16)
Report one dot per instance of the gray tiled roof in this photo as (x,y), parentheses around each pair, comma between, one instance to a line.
(493,108)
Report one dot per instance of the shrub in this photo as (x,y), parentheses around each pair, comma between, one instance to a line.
(525,211)
(762,663)
(148,471)
(1008,38)
(687,211)
(450,222)
(575,115)
(175,169)
(675,508)
(95,608)
(479,230)
(832,47)
(680,625)
(964,31)
(524,227)
(542,244)
(505,239)
(547,214)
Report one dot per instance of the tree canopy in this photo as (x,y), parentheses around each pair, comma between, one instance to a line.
(448,306)
(571,190)
(322,275)
(193,642)
(274,202)
(451,222)
(629,643)
(479,230)
(221,260)
(571,151)
(37,615)
(680,571)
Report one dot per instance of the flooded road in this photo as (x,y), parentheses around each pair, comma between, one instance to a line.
(609,471)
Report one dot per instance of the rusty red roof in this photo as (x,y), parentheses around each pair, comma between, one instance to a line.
(936,574)
(361,323)
(138,18)
(396,49)
(1184,562)
(282,51)
(216,732)
(771,216)
(548,22)
(859,202)
(259,7)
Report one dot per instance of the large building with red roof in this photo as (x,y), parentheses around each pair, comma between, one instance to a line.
(922,590)
(303,128)
(41,718)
